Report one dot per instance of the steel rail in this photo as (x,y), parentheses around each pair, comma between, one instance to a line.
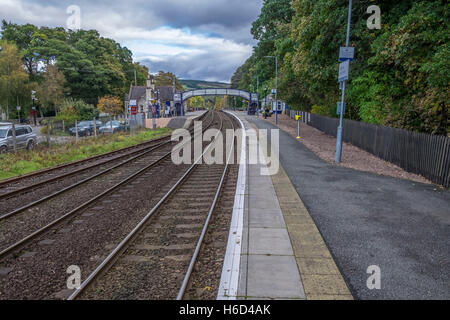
(206,225)
(75,163)
(34,203)
(78,162)
(123,244)
(27,239)
(71,173)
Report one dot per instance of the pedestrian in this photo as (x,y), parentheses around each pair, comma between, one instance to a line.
(167,112)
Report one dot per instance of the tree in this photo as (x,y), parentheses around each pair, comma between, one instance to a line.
(110,105)
(71,109)
(93,66)
(51,91)
(165,79)
(400,75)
(24,37)
(221,103)
(198,102)
(12,75)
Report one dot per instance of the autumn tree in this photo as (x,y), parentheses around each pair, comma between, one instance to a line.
(13,77)
(51,91)
(110,105)
(198,102)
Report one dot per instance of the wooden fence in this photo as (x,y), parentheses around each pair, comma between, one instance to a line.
(421,153)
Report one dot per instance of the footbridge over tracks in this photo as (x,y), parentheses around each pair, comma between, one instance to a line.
(252,98)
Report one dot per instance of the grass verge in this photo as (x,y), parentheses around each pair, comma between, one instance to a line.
(23,162)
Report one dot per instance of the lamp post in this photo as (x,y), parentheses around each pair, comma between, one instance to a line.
(276,86)
(33,108)
(341,117)
(154,110)
(265,98)
(257,92)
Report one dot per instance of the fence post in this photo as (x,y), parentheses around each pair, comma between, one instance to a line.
(64,128)
(48,133)
(14,137)
(76,130)
(95,128)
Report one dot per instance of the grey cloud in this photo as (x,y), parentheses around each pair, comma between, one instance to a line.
(207,66)
(229,19)
(194,13)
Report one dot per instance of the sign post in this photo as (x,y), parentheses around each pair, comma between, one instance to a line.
(344,68)
(18,112)
(346,53)
(154,115)
(298,118)
(133,112)
(339,109)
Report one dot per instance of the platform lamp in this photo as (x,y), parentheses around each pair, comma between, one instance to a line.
(276,86)
(265,98)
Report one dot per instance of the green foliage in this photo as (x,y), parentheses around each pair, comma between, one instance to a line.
(166,79)
(14,83)
(71,110)
(400,75)
(44,129)
(51,90)
(22,162)
(92,66)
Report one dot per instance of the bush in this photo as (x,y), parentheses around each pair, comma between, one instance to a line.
(72,110)
(44,129)
(322,110)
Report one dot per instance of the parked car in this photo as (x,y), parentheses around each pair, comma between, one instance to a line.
(116,127)
(25,137)
(85,128)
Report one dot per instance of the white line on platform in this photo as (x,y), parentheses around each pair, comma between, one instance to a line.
(229,279)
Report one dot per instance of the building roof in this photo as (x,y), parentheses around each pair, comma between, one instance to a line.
(136,93)
(165,93)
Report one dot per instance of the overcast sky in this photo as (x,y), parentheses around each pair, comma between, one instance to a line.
(195,39)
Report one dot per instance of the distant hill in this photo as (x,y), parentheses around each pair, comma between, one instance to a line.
(200,84)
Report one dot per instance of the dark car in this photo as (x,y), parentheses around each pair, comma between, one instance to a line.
(85,128)
(116,127)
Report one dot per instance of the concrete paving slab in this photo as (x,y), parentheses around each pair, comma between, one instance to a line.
(274,277)
(268,269)
(274,241)
(261,190)
(266,218)
(265,203)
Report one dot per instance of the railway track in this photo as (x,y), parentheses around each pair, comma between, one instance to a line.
(22,198)
(25,183)
(25,223)
(151,260)
(93,226)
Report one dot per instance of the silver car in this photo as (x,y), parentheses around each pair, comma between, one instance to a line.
(25,138)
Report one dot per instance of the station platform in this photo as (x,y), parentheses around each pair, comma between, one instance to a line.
(337,224)
(275,250)
(174,122)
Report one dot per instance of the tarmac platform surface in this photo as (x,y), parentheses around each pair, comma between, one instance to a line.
(400,226)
